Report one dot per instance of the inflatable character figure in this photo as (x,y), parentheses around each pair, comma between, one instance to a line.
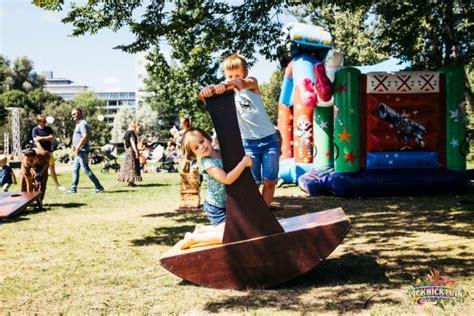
(304,131)
(306,92)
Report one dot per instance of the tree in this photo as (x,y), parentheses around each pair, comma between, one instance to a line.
(38,99)
(271,94)
(149,120)
(20,87)
(3,113)
(122,119)
(173,93)
(23,77)
(150,123)
(428,33)
(15,99)
(353,32)
(63,124)
(4,73)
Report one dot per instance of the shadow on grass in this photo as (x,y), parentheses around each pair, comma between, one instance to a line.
(393,241)
(168,236)
(22,215)
(171,235)
(33,209)
(331,275)
(334,300)
(348,268)
(410,235)
(64,205)
(148,185)
(117,191)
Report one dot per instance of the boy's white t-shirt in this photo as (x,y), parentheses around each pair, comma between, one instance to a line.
(253,119)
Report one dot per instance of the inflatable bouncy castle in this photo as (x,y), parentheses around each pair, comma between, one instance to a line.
(385,134)
(305,105)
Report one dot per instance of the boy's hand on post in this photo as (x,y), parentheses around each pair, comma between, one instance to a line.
(206,92)
(220,88)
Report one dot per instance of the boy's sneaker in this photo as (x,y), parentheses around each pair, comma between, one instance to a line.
(60,187)
(280,183)
(99,190)
(71,191)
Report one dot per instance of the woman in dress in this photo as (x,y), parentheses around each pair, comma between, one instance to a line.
(130,171)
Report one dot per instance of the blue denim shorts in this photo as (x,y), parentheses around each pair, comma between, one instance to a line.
(215,214)
(265,154)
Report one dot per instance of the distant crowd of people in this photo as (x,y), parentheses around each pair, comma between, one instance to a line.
(37,158)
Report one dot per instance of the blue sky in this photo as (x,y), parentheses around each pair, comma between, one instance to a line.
(86,60)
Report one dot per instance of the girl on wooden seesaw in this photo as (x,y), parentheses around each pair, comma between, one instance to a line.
(197,145)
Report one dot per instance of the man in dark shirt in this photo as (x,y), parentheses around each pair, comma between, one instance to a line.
(43,137)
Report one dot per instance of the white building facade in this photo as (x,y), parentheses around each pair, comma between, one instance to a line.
(67,90)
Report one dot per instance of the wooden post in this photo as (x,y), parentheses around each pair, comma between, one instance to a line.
(189,198)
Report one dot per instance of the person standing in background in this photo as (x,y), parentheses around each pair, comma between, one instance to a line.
(80,147)
(43,137)
(130,171)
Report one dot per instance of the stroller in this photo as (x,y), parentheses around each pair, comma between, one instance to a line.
(168,163)
(109,161)
(165,162)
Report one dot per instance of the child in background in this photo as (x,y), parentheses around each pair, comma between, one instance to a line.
(197,144)
(7,176)
(258,133)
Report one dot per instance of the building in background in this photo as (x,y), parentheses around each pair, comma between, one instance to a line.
(141,73)
(62,86)
(67,90)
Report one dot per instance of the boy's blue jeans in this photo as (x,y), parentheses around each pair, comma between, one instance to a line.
(82,160)
(265,154)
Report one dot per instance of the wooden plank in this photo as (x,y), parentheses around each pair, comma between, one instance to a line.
(12,203)
(264,261)
(247,214)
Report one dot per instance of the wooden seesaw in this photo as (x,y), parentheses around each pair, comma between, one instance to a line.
(12,203)
(258,251)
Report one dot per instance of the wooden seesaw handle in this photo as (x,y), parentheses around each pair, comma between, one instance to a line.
(247,213)
(227,89)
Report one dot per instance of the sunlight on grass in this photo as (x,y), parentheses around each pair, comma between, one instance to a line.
(98,253)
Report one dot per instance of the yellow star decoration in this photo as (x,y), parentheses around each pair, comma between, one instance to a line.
(344,136)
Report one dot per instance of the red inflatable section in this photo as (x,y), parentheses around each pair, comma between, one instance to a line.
(404,115)
(285,126)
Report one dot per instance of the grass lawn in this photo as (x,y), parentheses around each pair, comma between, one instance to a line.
(98,253)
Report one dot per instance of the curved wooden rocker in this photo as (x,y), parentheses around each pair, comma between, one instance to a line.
(257,250)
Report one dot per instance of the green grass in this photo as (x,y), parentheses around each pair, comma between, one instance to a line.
(98,253)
